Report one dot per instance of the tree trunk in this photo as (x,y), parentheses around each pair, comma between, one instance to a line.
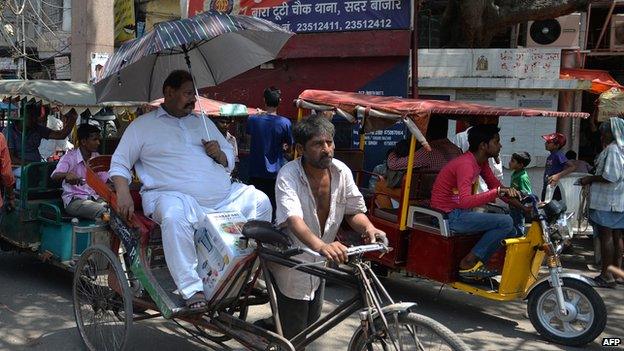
(473,23)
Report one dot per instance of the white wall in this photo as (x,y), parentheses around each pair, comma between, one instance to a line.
(543,63)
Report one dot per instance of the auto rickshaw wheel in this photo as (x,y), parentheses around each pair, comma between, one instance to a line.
(586,315)
(102,300)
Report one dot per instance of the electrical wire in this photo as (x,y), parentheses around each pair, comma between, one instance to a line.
(16,12)
(40,22)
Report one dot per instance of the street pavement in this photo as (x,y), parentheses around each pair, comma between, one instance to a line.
(36,313)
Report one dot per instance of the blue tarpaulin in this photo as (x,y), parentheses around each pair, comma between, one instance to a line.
(5,106)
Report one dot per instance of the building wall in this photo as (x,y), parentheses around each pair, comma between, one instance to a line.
(92,32)
(475,68)
(489,63)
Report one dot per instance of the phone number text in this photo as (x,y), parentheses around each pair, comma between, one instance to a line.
(346,25)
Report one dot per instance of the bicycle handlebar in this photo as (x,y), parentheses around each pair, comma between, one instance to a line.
(353,250)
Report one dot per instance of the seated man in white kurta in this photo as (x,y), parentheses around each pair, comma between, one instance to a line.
(184,167)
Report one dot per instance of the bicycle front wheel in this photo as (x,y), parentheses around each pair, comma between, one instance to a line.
(410,331)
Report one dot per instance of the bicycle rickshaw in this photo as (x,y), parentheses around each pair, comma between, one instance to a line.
(129,275)
(38,225)
(563,307)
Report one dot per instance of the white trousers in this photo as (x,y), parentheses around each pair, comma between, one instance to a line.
(171,212)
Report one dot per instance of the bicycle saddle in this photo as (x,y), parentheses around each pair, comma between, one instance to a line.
(265,232)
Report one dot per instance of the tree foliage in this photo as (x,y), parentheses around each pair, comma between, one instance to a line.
(473,23)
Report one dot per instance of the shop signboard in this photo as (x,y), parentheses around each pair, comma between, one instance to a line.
(314,16)
(125,26)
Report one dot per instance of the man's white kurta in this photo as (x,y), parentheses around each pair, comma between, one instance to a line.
(181,182)
(168,155)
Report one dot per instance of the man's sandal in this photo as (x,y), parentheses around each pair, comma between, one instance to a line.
(479,271)
(197,301)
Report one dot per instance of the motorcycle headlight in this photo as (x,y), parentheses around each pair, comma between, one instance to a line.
(561,229)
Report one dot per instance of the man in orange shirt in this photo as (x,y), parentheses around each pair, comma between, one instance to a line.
(7,181)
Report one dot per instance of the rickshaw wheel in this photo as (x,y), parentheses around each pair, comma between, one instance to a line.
(411,331)
(586,318)
(102,300)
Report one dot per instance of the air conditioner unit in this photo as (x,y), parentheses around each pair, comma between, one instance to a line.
(561,32)
(617,32)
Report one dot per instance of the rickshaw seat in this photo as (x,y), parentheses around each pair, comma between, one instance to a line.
(420,193)
(36,183)
(434,251)
(265,232)
(53,211)
(428,219)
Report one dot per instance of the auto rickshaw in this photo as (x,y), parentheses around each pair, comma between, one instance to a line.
(38,224)
(563,307)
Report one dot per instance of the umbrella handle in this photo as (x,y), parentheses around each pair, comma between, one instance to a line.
(201,108)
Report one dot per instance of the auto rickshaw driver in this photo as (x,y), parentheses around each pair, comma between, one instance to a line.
(453,194)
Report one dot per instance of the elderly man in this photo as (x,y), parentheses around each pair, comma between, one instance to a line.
(314,193)
(183,163)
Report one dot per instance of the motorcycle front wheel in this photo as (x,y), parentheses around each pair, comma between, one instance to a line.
(585,319)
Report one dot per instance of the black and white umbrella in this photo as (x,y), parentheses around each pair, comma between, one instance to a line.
(214,47)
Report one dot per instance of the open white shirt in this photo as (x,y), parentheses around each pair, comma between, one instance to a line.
(294,198)
(168,156)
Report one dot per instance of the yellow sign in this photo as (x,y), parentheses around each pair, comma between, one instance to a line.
(125,25)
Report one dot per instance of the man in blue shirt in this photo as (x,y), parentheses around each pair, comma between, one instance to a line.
(34,133)
(270,144)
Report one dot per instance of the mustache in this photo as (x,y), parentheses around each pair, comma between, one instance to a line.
(189,105)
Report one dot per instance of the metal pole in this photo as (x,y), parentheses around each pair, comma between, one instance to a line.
(24,45)
(414,45)
(201,108)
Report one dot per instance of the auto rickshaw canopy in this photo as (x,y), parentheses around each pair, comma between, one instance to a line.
(379,112)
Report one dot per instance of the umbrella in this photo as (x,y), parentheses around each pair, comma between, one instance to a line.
(216,46)
(210,107)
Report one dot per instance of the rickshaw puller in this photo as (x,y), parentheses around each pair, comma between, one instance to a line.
(314,193)
(452,193)
(184,176)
